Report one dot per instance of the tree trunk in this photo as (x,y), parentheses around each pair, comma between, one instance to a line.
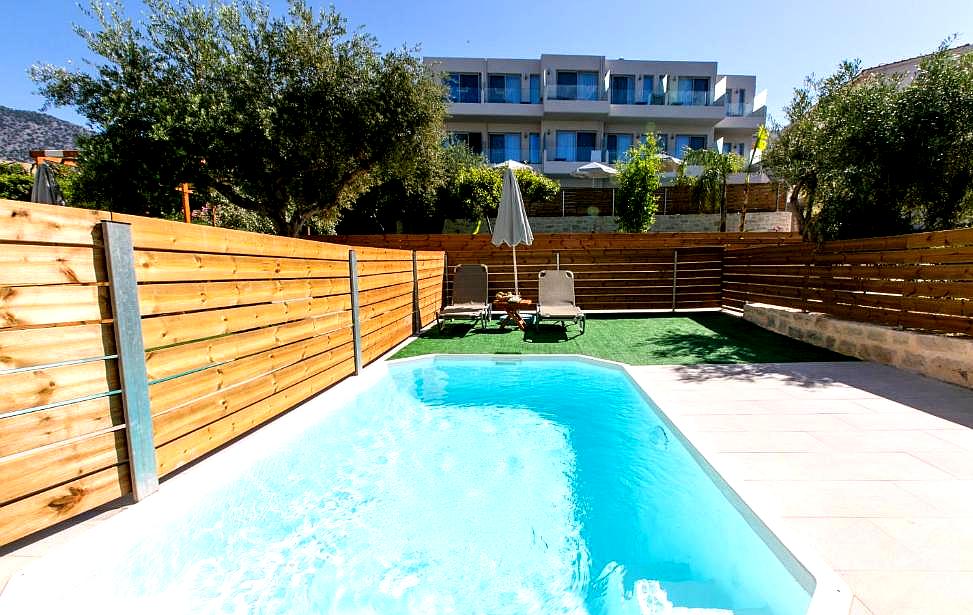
(743,206)
(723,207)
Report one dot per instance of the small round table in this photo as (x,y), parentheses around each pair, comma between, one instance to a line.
(513,312)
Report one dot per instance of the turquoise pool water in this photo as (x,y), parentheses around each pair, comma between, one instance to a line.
(459,486)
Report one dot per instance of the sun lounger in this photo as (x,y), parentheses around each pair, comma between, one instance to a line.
(470,297)
(555,299)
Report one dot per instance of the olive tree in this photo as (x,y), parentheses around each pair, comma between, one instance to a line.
(291,117)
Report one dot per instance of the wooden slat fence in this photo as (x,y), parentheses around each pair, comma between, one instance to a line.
(612,271)
(922,281)
(237,327)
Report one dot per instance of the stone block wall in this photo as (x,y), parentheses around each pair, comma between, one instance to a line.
(944,357)
(757,221)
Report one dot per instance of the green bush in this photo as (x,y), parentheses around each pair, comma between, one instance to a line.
(638,179)
(15,186)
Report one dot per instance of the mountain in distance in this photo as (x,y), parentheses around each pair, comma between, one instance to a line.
(22,131)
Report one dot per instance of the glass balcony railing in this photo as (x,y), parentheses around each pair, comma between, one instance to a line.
(464,95)
(623,97)
(692,99)
(739,109)
(574,92)
(503,95)
(502,154)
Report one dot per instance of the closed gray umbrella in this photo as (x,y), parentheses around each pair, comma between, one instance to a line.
(512,227)
(45,188)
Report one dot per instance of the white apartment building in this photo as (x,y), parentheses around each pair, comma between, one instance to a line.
(562,111)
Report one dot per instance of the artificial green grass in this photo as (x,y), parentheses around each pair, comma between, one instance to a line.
(705,337)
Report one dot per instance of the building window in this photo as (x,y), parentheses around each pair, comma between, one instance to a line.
(684,142)
(535,89)
(623,90)
(690,91)
(741,147)
(503,89)
(464,87)
(473,140)
(618,146)
(504,146)
(574,146)
(727,147)
(534,148)
(577,85)
(648,87)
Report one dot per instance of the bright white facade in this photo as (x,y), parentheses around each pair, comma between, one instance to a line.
(562,111)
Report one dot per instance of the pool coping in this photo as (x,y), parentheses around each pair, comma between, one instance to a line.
(830,594)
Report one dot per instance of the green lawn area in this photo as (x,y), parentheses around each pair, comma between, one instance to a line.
(706,337)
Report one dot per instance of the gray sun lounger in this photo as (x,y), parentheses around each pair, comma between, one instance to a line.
(470,297)
(555,298)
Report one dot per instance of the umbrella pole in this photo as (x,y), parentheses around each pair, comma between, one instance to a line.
(516,286)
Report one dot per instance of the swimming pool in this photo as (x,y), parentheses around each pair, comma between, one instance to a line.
(440,485)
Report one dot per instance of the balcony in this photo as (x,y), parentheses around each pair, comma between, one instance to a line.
(689,99)
(464,95)
(503,96)
(575,100)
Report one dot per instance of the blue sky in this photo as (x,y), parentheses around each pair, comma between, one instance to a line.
(780,42)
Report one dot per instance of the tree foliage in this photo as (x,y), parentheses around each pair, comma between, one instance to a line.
(290,117)
(638,180)
(709,187)
(15,182)
(875,155)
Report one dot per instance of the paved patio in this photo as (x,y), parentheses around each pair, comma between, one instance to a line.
(871,466)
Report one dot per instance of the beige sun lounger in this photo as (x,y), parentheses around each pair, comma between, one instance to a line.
(555,298)
(470,297)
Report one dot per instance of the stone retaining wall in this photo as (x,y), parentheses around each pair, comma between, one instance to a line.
(757,221)
(942,357)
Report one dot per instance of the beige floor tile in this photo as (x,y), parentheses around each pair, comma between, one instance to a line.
(956,461)
(834,466)
(857,608)
(942,544)
(884,421)
(854,544)
(913,593)
(765,422)
(760,441)
(845,499)
(951,497)
(894,440)
(962,438)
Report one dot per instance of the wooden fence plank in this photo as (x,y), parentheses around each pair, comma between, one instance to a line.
(179,452)
(180,328)
(28,515)
(32,347)
(24,306)
(22,474)
(22,432)
(174,360)
(50,224)
(23,264)
(22,390)
(157,299)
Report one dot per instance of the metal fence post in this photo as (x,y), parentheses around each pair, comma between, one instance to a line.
(355,317)
(675,270)
(123,288)
(416,317)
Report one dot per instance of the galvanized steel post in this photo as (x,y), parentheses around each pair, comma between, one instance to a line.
(355,317)
(416,317)
(123,287)
(675,270)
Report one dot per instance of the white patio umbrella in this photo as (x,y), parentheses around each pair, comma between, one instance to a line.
(669,162)
(595,170)
(512,164)
(512,227)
